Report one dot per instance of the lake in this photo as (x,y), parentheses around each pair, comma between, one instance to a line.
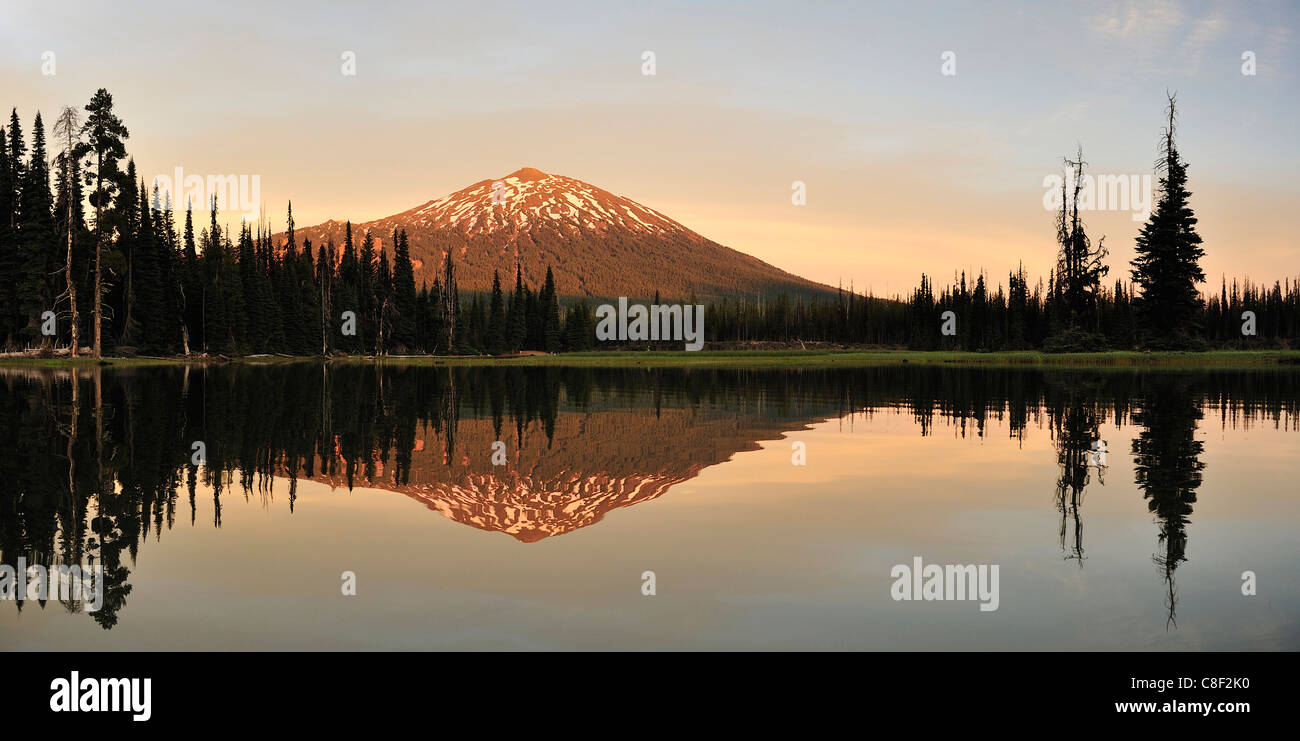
(350,506)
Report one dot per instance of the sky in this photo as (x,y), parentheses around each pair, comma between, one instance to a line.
(923,133)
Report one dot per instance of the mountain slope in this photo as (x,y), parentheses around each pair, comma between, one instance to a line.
(597,244)
(592,463)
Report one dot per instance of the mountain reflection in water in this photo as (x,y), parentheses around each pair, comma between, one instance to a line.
(98,460)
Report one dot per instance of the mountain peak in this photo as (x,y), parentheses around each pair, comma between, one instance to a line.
(529,199)
(597,243)
(527,173)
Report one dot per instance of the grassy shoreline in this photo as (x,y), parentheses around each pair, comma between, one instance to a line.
(1226,359)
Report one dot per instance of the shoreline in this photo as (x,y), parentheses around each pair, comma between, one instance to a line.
(1218,359)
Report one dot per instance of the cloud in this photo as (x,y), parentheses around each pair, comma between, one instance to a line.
(1138,22)
(1162,35)
(1204,33)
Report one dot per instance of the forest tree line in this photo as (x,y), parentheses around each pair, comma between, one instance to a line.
(84,242)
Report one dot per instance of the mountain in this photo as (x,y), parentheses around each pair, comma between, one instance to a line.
(597,244)
(567,476)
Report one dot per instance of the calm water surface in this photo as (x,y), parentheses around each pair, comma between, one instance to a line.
(313,471)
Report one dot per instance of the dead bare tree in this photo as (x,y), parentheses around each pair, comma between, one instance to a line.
(1079,265)
(67,128)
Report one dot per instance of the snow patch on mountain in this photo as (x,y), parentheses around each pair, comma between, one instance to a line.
(529,197)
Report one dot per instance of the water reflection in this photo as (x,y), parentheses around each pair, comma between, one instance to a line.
(98,459)
(1168,468)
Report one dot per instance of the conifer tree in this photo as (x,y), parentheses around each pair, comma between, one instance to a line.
(10,264)
(496,320)
(345,298)
(6,243)
(1167,265)
(37,241)
(151,313)
(308,301)
(325,284)
(404,297)
(191,282)
(125,221)
(104,134)
(256,299)
(383,301)
(366,296)
(550,306)
(452,322)
(287,291)
(516,322)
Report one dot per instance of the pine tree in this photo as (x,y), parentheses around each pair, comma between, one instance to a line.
(287,291)
(104,134)
(346,297)
(255,308)
(433,331)
(496,321)
(17,151)
(7,246)
(309,308)
(325,283)
(191,285)
(221,282)
(270,283)
(550,307)
(534,321)
(233,298)
(1167,264)
(404,297)
(367,299)
(516,323)
(475,333)
(150,312)
(37,240)
(10,263)
(452,321)
(383,301)
(169,257)
(122,260)
(191,281)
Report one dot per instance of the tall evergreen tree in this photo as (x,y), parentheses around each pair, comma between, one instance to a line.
(125,221)
(191,282)
(309,300)
(404,298)
(252,279)
(11,267)
(366,293)
(151,312)
(550,307)
(288,293)
(496,321)
(383,301)
(17,152)
(452,321)
(325,283)
(346,297)
(516,322)
(37,240)
(1168,250)
(7,263)
(104,134)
